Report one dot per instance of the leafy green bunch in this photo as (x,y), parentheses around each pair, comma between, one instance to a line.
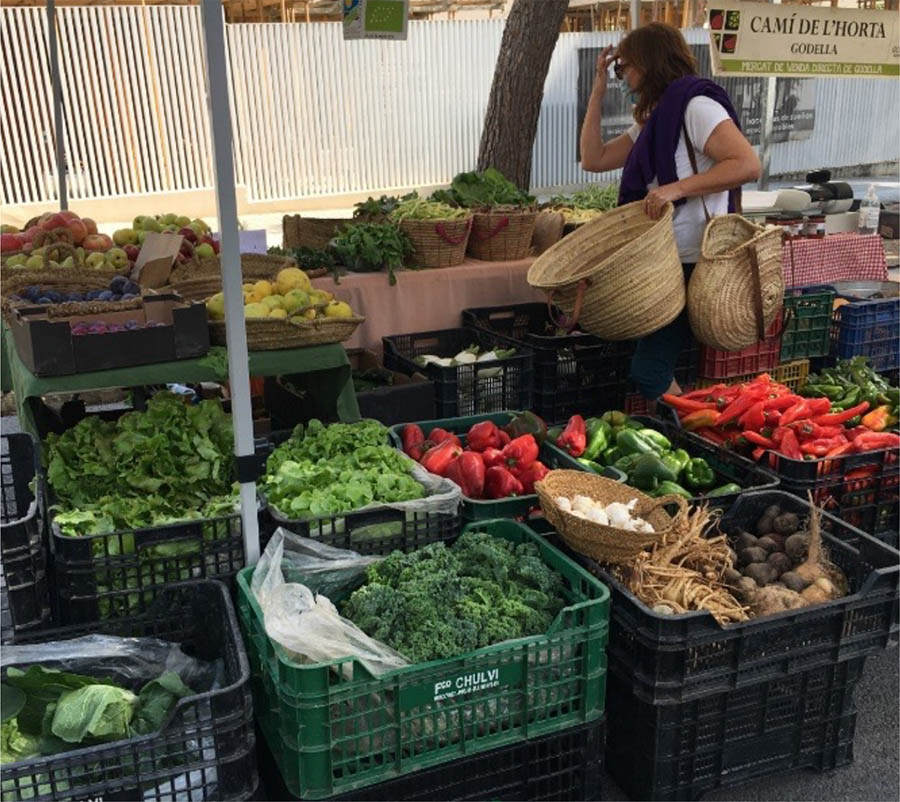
(440,602)
(325,470)
(371,247)
(479,190)
(378,211)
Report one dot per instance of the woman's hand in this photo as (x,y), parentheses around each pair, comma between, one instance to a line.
(601,70)
(656,199)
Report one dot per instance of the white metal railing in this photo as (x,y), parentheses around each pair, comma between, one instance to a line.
(314,116)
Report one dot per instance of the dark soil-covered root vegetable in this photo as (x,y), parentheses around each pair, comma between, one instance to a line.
(768,543)
(786,524)
(796,546)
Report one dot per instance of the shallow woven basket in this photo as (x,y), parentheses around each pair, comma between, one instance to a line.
(310,232)
(618,277)
(438,243)
(502,235)
(63,279)
(721,292)
(266,334)
(605,544)
(254,266)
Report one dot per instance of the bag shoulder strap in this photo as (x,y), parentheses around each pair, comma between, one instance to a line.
(736,195)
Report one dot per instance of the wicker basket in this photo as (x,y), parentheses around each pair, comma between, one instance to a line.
(438,243)
(722,294)
(267,334)
(310,232)
(254,266)
(502,234)
(549,228)
(618,277)
(605,544)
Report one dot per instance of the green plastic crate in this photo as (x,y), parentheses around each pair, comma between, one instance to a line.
(334,727)
(519,507)
(808,334)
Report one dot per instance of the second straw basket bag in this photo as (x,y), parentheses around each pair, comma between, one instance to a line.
(618,276)
(737,288)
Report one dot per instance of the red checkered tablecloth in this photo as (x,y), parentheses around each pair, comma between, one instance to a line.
(837,257)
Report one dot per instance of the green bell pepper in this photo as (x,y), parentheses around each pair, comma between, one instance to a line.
(698,475)
(662,442)
(649,470)
(614,418)
(611,455)
(671,489)
(590,465)
(626,463)
(724,490)
(553,433)
(599,433)
(631,441)
(677,460)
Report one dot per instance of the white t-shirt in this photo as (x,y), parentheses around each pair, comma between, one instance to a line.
(701,117)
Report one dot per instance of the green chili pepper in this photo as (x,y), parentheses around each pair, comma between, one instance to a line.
(590,465)
(723,490)
(850,399)
(830,391)
(698,475)
(671,489)
(649,470)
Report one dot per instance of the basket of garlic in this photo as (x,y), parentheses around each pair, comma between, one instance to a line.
(602,519)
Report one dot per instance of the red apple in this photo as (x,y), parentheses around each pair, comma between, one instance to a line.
(11,242)
(69,214)
(187,248)
(188,234)
(132,251)
(90,225)
(32,232)
(77,229)
(54,221)
(97,242)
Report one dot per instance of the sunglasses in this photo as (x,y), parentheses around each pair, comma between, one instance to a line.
(619,69)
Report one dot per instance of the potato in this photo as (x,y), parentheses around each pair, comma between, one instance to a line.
(773,511)
(780,562)
(731,577)
(761,573)
(768,543)
(764,525)
(778,540)
(786,524)
(793,581)
(796,546)
(745,541)
(752,555)
(747,587)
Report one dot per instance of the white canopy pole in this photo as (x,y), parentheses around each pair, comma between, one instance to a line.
(230,256)
(58,132)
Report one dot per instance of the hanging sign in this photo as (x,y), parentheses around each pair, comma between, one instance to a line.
(748,38)
(375,19)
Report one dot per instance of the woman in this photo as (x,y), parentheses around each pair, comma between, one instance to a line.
(672,100)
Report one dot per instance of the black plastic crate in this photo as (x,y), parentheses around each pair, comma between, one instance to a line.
(466,389)
(681,751)
(729,467)
(862,489)
(675,658)
(564,766)
(206,751)
(23,552)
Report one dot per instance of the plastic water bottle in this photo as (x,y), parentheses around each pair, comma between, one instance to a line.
(869,212)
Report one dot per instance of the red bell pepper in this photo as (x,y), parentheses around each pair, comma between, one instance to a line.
(439,436)
(758,439)
(419,450)
(836,418)
(521,452)
(856,431)
(492,457)
(682,404)
(876,440)
(412,435)
(528,476)
(438,458)
(500,483)
(573,440)
(505,439)
(790,446)
(483,435)
(701,419)
(467,470)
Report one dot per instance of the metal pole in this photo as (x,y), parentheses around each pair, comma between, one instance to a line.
(230,256)
(767,127)
(58,131)
(635,14)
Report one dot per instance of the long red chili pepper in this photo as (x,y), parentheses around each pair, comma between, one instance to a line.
(790,447)
(704,393)
(799,411)
(712,435)
(700,419)
(836,418)
(687,404)
(737,407)
(876,440)
(758,439)
(782,402)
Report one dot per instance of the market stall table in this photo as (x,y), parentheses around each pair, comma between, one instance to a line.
(330,362)
(426,300)
(837,257)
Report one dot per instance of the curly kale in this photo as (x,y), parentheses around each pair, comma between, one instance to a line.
(439,602)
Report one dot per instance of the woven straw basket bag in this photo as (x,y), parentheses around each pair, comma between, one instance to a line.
(737,288)
(606,544)
(618,276)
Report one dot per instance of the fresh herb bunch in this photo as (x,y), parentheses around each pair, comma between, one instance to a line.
(371,247)
(378,211)
(479,190)
(440,602)
(306,258)
(326,470)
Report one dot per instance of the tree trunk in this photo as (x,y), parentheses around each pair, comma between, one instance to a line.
(512,115)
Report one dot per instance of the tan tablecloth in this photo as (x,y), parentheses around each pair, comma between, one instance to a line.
(425,300)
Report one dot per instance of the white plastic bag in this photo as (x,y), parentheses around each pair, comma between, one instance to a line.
(305,622)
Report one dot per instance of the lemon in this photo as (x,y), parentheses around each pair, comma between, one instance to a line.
(320,297)
(273,301)
(278,313)
(262,289)
(292,278)
(215,306)
(256,310)
(296,299)
(338,309)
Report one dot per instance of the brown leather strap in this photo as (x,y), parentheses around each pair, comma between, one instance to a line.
(567,323)
(692,155)
(503,223)
(441,231)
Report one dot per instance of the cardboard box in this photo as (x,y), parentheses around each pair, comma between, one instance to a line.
(48,348)
(889,222)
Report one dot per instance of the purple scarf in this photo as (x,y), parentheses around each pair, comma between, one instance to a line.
(653,154)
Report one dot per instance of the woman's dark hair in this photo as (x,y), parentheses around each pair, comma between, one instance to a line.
(661,55)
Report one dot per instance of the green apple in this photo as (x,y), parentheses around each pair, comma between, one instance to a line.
(142,235)
(17,261)
(95,260)
(125,236)
(199,226)
(204,251)
(151,224)
(168,219)
(67,262)
(53,264)
(35,262)
(117,258)
(138,223)
(181,221)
